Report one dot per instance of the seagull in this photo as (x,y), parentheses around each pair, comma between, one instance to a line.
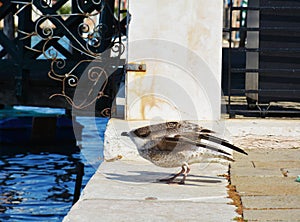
(179,144)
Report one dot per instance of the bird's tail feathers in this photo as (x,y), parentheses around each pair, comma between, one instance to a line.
(221,142)
(204,145)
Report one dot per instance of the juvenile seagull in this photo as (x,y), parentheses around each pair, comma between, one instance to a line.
(179,144)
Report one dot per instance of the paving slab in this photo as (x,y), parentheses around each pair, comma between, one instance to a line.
(271,202)
(266,186)
(286,215)
(129,191)
(269,155)
(139,180)
(267,171)
(266,194)
(148,210)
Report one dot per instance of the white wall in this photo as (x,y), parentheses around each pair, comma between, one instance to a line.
(181,43)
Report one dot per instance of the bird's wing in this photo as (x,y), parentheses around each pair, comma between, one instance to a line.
(197,137)
(211,150)
(182,139)
(169,128)
(167,143)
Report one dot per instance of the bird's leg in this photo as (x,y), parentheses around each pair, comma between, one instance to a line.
(171,179)
(185,173)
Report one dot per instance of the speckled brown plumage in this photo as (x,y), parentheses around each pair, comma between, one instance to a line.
(179,144)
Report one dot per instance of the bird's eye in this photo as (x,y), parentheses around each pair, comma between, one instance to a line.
(142,132)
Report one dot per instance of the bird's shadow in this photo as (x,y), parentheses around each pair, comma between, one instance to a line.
(154,177)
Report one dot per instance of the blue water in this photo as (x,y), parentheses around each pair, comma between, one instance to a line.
(40,186)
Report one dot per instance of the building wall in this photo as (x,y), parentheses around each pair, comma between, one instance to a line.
(180,42)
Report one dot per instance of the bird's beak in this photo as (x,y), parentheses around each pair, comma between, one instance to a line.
(124,134)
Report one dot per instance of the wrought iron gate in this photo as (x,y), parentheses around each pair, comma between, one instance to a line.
(46,46)
(261,71)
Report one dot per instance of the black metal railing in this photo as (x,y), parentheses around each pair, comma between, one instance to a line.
(261,69)
(47,45)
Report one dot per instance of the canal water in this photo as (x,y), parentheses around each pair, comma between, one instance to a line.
(40,186)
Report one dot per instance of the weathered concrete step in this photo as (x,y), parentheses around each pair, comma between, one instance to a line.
(266,194)
(268,143)
(267,155)
(272,215)
(266,185)
(126,190)
(272,164)
(271,202)
(268,171)
(137,180)
(148,210)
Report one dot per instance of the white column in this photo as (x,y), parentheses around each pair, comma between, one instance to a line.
(181,44)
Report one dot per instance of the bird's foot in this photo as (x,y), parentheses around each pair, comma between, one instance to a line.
(167,180)
(176,183)
(171,181)
(181,182)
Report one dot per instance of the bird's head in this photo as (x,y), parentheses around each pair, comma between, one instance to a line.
(142,132)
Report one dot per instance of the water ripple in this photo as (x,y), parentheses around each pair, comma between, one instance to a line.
(40,187)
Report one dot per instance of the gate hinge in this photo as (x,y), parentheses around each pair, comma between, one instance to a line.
(135,67)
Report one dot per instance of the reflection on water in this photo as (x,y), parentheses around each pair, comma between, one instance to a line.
(40,186)
(36,185)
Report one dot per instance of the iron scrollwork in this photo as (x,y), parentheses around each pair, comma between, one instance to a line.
(92,31)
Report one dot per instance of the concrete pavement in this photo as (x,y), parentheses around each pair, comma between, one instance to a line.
(129,191)
(266,193)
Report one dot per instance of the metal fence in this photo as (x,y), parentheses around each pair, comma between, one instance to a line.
(47,45)
(261,63)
